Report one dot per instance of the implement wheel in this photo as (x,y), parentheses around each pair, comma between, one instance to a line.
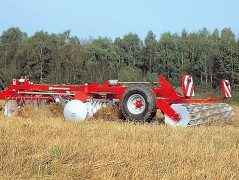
(138,104)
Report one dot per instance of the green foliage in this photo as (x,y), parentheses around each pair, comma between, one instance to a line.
(101,60)
(130,74)
(62,58)
(148,62)
(12,34)
(152,77)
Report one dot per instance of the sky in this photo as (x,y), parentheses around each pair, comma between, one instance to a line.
(116,18)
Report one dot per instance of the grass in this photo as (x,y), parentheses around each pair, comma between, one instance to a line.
(40,146)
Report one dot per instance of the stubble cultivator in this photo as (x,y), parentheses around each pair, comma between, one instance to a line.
(137,102)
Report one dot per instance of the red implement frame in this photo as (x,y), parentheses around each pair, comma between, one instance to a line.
(23,89)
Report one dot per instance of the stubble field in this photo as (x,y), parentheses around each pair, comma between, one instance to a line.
(40,144)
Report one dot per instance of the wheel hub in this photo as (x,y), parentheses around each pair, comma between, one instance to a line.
(136,104)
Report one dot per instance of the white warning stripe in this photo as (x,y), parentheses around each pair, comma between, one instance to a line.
(188,86)
(227,89)
(185,81)
(190,91)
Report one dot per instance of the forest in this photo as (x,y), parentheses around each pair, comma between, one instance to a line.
(65,59)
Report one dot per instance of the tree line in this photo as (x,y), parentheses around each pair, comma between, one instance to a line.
(65,59)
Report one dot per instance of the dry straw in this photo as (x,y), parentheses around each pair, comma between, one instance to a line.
(38,145)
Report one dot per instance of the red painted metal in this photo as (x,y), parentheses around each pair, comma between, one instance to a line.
(138,104)
(226,88)
(23,89)
(187,85)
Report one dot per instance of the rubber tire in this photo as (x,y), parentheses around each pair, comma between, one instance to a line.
(150,104)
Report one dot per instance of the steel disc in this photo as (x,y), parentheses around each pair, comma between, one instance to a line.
(75,110)
(89,106)
(60,100)
(184,114)
(11,108)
